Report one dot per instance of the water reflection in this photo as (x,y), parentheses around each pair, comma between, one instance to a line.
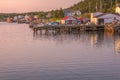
(94,39)
(117,43)
(58,56)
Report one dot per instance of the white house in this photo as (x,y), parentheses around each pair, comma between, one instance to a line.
(15,18)
(68,20)
(78,12)
(68,13)
(35,16)
(93,15)
(71,13)
(103,18)
(27,17)
(20,16)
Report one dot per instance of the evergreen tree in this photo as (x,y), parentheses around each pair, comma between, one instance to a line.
(87,6)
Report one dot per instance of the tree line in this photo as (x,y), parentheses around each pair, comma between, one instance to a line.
(88,6)
(85,6)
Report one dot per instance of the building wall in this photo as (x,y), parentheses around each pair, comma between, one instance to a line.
(62,21)
(8,20)
(117,10)
(69,13)
(108,18)
(96,21)
(92,18)
(93,15)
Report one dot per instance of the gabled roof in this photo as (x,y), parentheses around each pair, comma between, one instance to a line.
(106,14)
(67,17)
(80,19)
(97,13)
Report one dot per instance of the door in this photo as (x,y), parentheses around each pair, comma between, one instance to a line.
(101,21)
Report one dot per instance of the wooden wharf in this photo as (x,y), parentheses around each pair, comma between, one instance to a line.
(70,28)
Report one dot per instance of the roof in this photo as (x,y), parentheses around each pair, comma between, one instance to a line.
(97,13)
(66,17)
(80,19)
(106,14)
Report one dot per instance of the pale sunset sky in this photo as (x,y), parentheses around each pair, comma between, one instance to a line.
(9,6)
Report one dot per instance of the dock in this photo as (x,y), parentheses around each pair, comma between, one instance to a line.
(69,28)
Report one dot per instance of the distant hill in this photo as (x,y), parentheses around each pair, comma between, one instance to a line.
(86,6)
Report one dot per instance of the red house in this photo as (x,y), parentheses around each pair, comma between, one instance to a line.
(68,20)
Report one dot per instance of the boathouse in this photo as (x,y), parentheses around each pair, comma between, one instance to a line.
(104,18)
(68,20)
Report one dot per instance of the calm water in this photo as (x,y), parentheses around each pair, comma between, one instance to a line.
(25,55)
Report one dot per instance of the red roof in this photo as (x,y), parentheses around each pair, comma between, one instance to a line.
(80,19)
(66,17)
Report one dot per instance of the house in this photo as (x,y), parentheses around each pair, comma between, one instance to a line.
(103,18)
(8,20)
(27,17)
(15,18)
(68,13)
(68,20)
(71,13)
(78,13)
(80,20)
(117,10)
(83,20)
(35,17)
(20,16)
(93,15)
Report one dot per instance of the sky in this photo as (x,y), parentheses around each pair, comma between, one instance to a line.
(19,6)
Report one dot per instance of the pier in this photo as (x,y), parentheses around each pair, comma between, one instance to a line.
(69,28)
